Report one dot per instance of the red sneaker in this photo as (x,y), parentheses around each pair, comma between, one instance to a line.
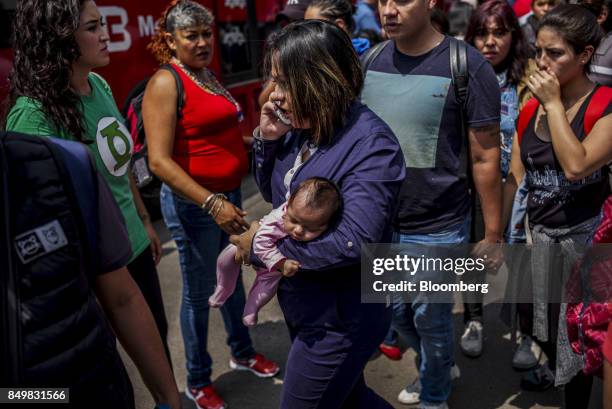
(205,398)
(258,365)
(390,351)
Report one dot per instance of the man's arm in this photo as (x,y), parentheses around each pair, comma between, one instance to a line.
(123,303)
(485,156)
(133,323)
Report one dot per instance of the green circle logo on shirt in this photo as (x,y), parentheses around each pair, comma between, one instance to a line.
(114,145)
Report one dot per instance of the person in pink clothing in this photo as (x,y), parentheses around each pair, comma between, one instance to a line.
(311,208)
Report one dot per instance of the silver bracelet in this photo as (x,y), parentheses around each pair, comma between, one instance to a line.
(206,204)
(211,201)
(218,209)
(257,134)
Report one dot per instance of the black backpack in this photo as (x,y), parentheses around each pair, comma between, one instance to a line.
(53,332)
(132,112)
(460,81)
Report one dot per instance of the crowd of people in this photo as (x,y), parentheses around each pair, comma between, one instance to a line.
(377,125)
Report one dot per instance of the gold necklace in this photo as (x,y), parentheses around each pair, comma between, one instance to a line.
(209,83)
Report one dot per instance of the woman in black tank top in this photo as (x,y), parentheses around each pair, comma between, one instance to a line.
(562,148)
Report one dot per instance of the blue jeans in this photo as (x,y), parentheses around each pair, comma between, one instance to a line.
(391,338)
(199,241)
(428,327)
(515,231)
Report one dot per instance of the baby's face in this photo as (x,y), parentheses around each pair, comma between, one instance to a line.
(303,223)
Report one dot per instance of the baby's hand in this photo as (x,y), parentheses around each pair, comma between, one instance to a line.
(290,267)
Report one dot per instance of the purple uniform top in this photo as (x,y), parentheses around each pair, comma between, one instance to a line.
(365,160)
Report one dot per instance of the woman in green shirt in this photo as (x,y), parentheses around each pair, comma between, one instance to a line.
(53,92)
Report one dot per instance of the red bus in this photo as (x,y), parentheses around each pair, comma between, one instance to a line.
(241,27)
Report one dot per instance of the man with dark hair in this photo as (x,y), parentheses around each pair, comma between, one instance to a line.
(409,85)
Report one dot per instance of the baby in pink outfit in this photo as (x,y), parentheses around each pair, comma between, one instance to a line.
(304,217)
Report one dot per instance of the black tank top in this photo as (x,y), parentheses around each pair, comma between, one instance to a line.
(554,201)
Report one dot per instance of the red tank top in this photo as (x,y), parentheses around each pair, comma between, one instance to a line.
(207,141)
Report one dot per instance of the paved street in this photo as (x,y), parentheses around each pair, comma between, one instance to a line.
(486,383)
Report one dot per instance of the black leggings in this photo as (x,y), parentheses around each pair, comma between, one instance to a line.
(143,271)
(578,390)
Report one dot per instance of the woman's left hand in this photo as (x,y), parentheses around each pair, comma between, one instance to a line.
(545,87)
(156,247)
(243,243)
(270,125)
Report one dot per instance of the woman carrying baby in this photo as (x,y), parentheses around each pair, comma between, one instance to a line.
(317,80)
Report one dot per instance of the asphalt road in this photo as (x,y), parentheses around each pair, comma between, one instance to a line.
(486,383)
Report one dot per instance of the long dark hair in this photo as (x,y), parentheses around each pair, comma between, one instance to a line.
(44,49)
(577,25)
(506,19)
(318,66)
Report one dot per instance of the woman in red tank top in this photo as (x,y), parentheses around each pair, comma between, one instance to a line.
(199,155)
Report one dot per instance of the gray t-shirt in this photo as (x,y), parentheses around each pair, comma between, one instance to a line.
(416,98)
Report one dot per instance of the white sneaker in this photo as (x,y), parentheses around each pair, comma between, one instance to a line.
(455,372)
(412,393)
(471,340)
(527,354)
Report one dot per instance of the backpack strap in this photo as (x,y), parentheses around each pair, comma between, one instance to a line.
(459,79)
(180,91)
(459,71)
(525,116)
(371,55)
(597,105)
(133,109)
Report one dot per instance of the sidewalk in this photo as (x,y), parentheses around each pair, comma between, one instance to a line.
(486,383)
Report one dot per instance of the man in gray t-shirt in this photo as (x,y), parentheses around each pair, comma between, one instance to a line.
(409,86)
